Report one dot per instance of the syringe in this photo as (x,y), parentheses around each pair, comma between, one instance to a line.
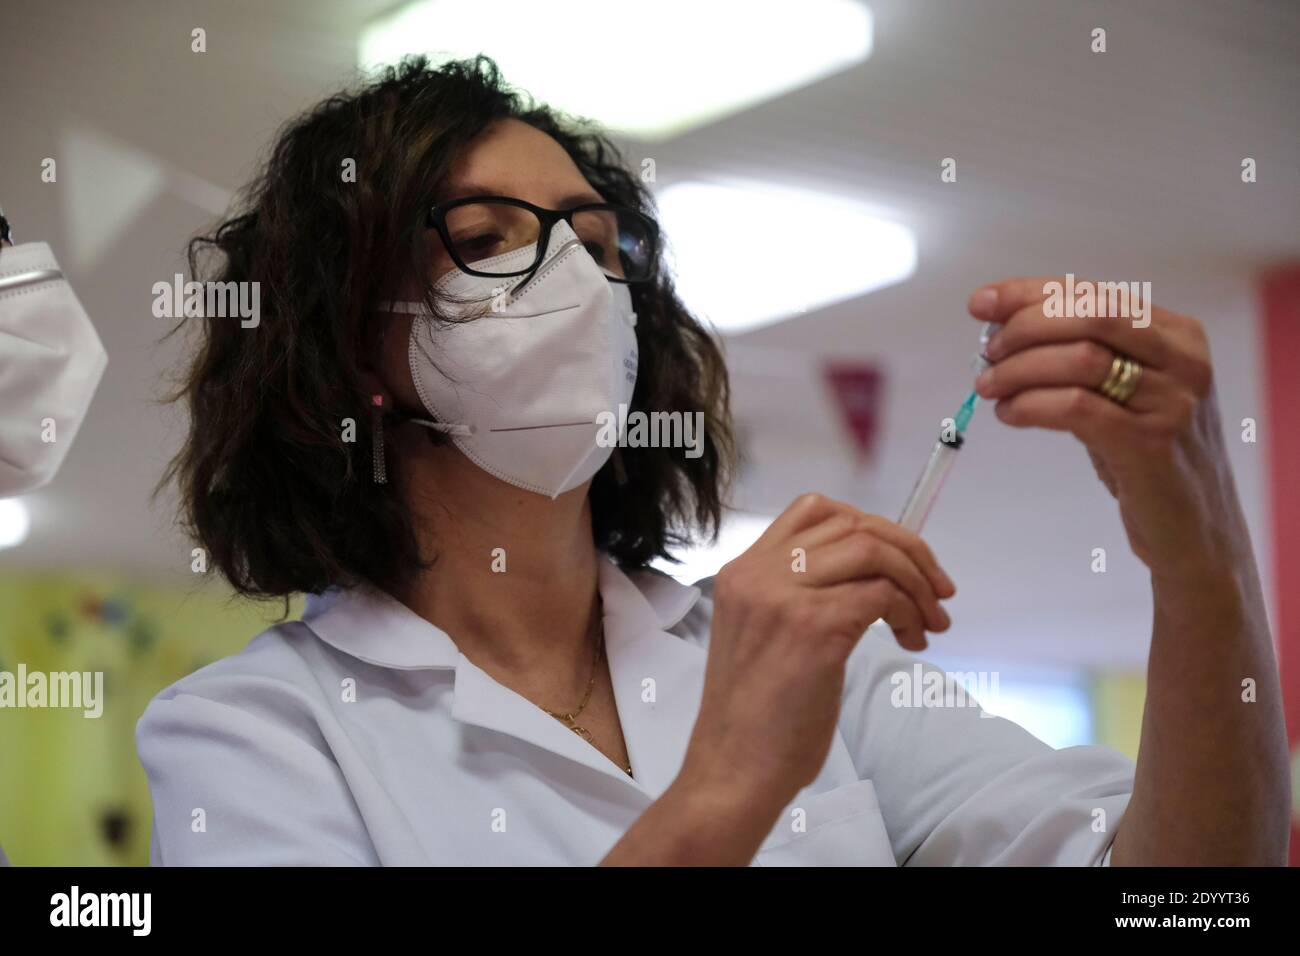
(945,450)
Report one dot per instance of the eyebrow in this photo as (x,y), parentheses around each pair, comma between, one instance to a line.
(474,189)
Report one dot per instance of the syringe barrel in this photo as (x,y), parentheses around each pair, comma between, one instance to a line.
(927,486)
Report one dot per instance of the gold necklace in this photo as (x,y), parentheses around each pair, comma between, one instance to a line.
(571,719)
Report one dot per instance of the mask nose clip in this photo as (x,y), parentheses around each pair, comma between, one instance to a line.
(568,244)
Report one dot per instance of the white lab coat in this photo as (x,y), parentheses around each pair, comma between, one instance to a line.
(265,758)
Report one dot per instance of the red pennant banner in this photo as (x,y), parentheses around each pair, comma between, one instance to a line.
(858,389)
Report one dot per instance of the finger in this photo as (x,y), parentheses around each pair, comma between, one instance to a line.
(837,526)
(1083,363)
(849,609)
(851,520)
(998,301)
(854,606)
(1030,327)
(1002,301)
(862,555)
(1086,414)
(904,619)
(914,545)
(804,512)
(814,519)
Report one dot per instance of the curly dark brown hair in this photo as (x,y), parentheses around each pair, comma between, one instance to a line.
(267,485)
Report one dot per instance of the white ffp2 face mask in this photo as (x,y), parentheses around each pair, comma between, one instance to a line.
(51,361)
(520,383)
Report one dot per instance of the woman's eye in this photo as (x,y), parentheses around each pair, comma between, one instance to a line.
(480,246)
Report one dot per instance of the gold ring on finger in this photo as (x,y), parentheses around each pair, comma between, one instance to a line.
(1122,380)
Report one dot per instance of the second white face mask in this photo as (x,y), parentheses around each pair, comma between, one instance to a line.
(522,383)
(51,361)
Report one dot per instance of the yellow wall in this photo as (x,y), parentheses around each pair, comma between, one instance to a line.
(62,775)
(1117,701)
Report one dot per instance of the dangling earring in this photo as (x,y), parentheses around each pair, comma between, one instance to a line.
(377,438)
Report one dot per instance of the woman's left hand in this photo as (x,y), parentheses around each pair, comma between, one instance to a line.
(1161,453)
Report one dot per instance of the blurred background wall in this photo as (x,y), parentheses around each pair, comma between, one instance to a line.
(1118,164)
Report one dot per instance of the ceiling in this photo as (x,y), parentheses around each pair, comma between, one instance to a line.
(1123,164)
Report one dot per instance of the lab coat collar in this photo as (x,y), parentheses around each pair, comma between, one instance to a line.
(657,676)
(369,624)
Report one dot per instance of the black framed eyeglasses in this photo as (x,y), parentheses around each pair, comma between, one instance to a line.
(481,232)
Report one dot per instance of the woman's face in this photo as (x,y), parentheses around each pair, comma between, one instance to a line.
(509,158)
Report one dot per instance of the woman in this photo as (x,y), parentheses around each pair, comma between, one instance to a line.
(487,671)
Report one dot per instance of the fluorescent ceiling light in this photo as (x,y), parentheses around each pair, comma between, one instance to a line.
(749,255)
(739,531)
(14,523)
(649,69)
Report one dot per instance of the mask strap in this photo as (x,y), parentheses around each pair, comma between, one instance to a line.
(418,308)
(401,308)
(448,427)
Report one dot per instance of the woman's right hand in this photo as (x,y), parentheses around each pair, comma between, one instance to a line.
(781,637)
